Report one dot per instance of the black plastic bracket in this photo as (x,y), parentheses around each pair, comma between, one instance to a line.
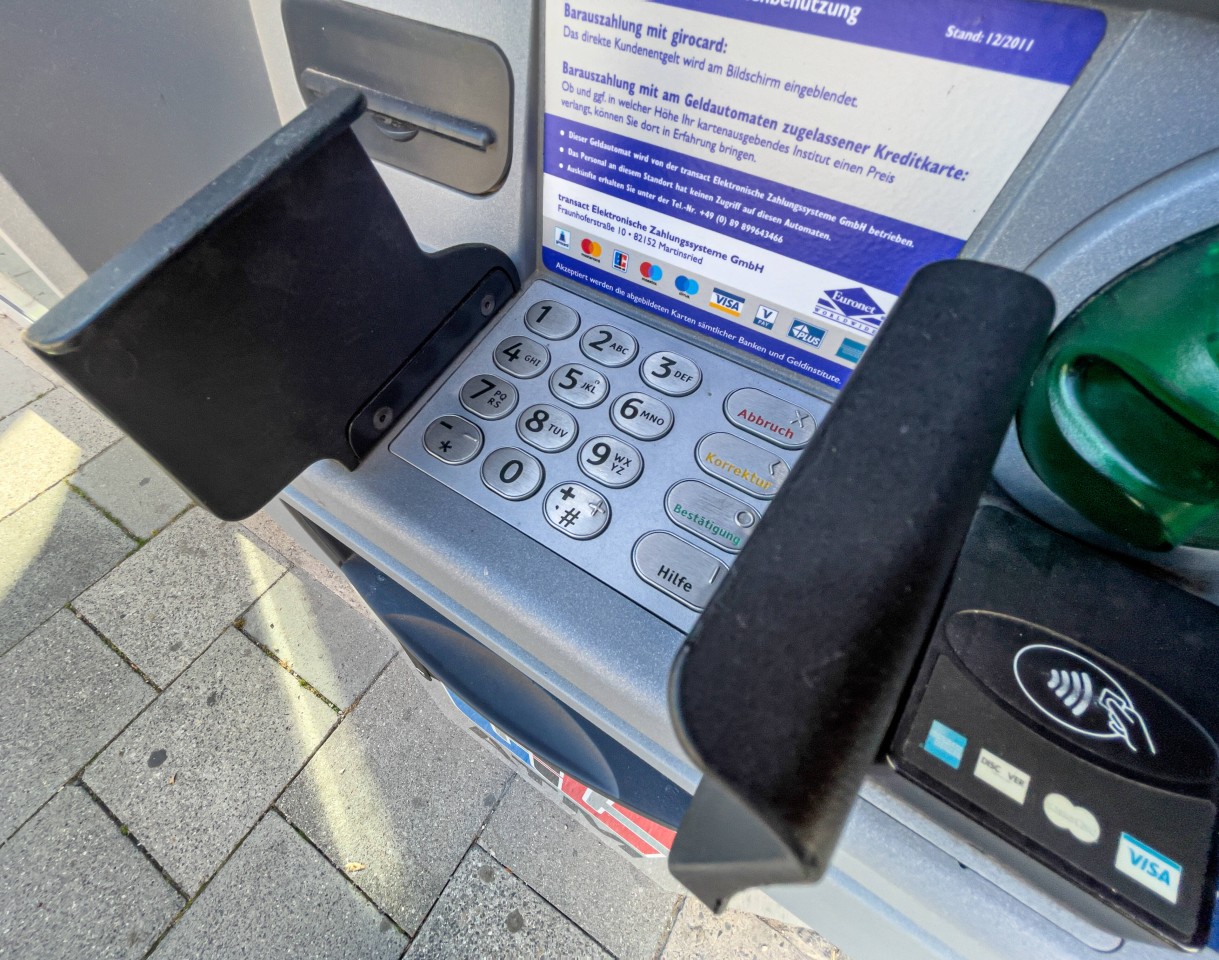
(786,686)
(282,315)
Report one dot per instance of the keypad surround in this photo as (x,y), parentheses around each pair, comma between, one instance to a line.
(631,486)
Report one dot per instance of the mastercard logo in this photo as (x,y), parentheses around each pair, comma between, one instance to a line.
(686,285)
(591,248)
(649,271)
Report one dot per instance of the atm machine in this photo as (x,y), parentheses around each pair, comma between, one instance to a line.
(650,368)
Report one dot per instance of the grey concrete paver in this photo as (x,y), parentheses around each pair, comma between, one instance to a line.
(72,886)
(268,529)
(699,934)
(10,340)
(126,482)
(487,912)
(168,601)
(66,694)
(277,897)
(595,886)
(399,789)
(46,441)
(50,550)
(320,637)
(196,770)
(19,384)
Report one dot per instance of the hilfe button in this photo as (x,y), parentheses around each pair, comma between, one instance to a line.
(683,571)
(770,418)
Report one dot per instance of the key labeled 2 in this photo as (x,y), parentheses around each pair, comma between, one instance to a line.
(546,428)
(611,462)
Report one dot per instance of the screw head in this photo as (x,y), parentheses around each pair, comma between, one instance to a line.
(488,305)
(383,417)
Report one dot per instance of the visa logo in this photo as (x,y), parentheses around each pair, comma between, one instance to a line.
(1148,867)
(725,302)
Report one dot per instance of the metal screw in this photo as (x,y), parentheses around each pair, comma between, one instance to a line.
(383,417)
(394,128)
(488,305)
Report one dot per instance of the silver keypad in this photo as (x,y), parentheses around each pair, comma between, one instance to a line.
(641,416)
(579,385)
(741,464)
(551,320)
(680,569)
(488,396)
(770,418)
(608,345)
(671,373)
(454,440)
(547,428)
(610,461)
(711,514)
(513,474)
(575,510)
(522,357)
(646,474)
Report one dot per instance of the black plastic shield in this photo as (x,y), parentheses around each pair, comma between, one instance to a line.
(790,679)
(237,339)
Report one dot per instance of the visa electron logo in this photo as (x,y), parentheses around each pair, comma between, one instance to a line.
(650,272)
(725,302)
(591,248)
(685,286)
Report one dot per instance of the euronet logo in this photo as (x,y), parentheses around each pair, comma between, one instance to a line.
(852,306)
(726,302)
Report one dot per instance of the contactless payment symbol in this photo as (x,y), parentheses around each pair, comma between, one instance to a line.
(685,286)
(562,237)
(765,317)
(650,272)
(726,302)
(1081,696)
(621,260)
(590,248)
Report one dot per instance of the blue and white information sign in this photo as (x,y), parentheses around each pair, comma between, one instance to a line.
(771,172)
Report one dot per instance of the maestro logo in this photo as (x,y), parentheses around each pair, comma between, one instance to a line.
(1078,694)
(650,272)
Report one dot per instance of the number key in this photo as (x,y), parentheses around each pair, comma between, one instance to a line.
(671,373)
(641,416)
(552,320)
(547,428)
(611,462)
(579,386)
(608,345)
(512,473)
(489,397)
(522,357)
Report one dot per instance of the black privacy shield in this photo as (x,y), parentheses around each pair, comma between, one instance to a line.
(237,339)
(786,686)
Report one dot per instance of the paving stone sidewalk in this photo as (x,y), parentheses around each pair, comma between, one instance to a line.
(211,749)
